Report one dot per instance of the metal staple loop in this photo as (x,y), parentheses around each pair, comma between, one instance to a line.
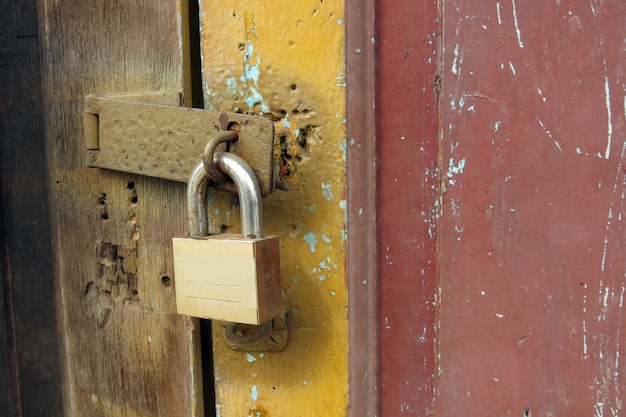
(209,152)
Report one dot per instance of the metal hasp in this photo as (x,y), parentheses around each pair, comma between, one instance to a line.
(150,134)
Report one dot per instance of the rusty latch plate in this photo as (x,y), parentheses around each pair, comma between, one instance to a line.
(149,134)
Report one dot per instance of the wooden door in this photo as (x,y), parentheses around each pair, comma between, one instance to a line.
(124,350)
(29,361)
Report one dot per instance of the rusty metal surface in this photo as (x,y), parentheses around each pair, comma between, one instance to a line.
(407,195)
(532,242)
(164,141)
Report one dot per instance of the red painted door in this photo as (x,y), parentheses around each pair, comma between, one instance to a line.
(501,182)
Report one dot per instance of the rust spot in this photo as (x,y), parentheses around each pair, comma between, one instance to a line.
(257,412)
(224,121)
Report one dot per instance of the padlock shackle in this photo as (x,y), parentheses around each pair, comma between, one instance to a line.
(247,187)
(197,217)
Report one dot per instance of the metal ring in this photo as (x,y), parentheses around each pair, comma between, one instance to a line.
(245,341)
(209,152)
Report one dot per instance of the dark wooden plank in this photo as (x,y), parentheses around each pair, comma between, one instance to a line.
(29,305)
(532,237)
(127,352)
(6,387)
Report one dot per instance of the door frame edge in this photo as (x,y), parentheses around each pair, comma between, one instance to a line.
(361,226)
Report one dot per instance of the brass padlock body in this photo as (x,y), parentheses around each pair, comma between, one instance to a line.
(227,277)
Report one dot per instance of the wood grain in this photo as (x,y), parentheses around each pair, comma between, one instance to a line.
(126,351)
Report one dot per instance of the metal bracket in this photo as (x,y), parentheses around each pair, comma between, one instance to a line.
(272,336)
(150,134)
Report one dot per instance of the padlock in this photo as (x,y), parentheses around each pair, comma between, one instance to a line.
(227,277)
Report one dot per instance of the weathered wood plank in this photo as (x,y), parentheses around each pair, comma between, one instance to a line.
(127,352)
(28,300)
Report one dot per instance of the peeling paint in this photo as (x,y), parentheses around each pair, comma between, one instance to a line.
(455,169)
(250,79)
(327,192)
(343,204)
(454,62)
(344,149)
(311,239)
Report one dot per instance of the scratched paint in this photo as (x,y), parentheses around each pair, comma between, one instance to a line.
(609,122)
(284,60)
(532,255)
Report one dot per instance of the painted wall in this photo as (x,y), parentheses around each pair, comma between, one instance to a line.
(285,60)
(506,286)
(533,184)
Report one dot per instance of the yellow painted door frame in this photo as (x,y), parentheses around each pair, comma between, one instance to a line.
(285,61)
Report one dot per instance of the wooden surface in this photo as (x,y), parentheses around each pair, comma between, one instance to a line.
(407,192)
(126,352)
(532,248)
(29,386)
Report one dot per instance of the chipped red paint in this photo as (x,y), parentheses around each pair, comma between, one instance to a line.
(517,307)
(532,242)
